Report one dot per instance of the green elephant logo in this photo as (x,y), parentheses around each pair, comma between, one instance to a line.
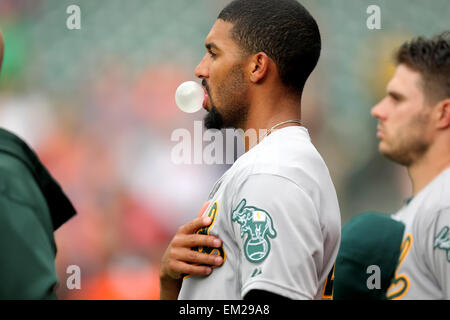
(258,226)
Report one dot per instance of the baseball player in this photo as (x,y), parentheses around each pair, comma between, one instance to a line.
(414,131)
(271,224)
(32,207)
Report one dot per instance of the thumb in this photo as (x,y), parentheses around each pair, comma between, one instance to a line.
(202,210)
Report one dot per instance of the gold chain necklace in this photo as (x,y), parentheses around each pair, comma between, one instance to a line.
(279,124)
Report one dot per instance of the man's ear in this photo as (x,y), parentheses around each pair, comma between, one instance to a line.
(443,114)
(258,67)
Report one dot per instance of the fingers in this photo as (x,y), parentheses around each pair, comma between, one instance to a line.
(196,240)
(180,268)
(205,205)
(180,258)
(191,256)
(194,225)
(178,261)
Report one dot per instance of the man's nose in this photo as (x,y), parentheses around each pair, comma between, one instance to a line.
(377,110)
(201,71)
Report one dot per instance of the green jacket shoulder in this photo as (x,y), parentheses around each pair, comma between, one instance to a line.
(32,206)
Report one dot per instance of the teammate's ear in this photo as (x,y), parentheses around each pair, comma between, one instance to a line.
(258,67)
(443,114)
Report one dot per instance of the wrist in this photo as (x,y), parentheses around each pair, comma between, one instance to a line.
(169,287)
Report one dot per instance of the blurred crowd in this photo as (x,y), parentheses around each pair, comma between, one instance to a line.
(97,104)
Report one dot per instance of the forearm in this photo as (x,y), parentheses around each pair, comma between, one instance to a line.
(169,287)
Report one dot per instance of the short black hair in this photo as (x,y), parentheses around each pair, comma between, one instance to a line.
(430,57)
(283,29)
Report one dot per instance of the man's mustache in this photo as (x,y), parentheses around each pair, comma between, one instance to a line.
(205,85)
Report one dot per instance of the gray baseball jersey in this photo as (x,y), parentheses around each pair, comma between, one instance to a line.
(277,214)
(424,264)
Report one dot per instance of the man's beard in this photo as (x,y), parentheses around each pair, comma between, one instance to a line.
(411,144)
(407,153)
(234,94)
(213,120)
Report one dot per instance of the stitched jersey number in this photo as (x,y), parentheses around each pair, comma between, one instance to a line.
(212,213)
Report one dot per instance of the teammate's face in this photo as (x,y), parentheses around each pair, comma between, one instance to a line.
(403,118)
(222,74)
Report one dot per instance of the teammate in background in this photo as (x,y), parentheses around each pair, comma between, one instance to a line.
(271,226)
(414,131)
(32,206)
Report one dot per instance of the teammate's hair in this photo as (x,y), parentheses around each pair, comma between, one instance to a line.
(283,29)
(430,57)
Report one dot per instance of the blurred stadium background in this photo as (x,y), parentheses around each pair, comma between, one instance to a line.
(97,105)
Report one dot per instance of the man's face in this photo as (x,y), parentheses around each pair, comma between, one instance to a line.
(222,74)
(403,118)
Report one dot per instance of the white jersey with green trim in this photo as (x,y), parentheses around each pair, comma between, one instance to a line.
(277,214)
(423,271)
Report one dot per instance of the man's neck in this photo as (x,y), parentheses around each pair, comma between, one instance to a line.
(269,113)
(422,172)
